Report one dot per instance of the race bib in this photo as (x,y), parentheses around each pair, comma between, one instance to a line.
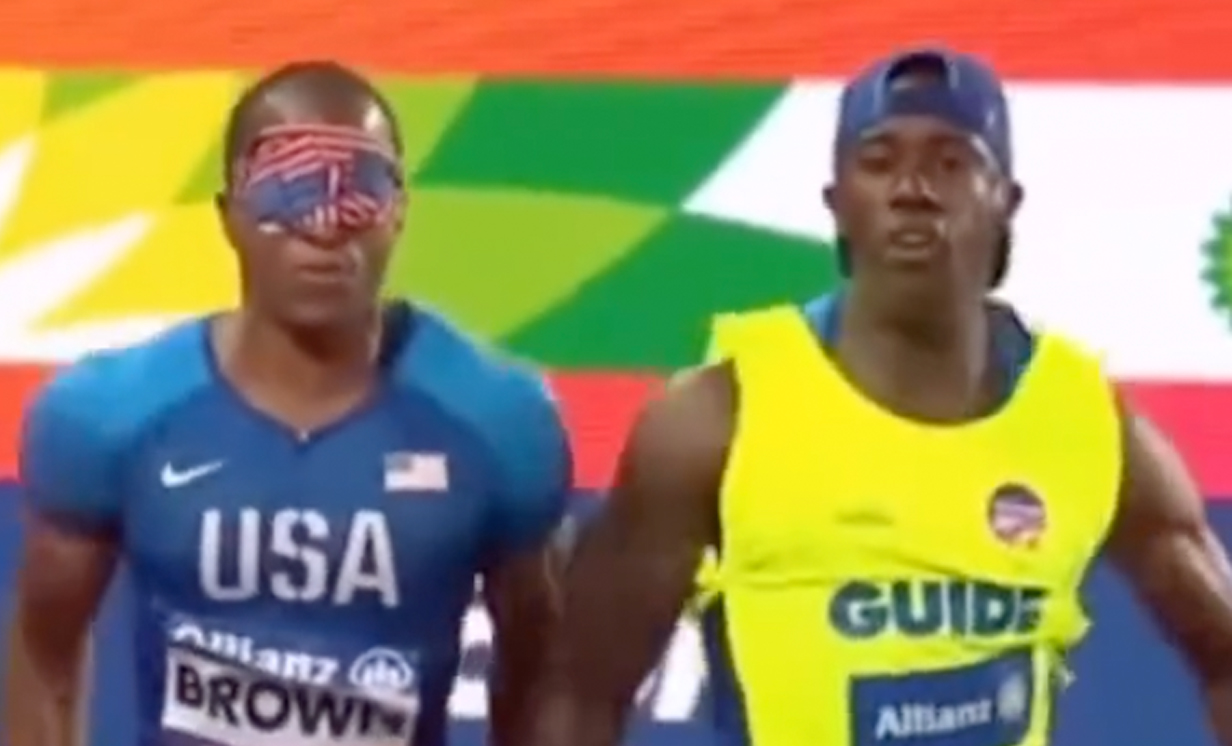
(222,688)
(984,704)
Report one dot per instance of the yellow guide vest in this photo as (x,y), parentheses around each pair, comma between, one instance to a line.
(885,581)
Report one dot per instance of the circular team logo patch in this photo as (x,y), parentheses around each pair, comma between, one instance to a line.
(382,670)
(1014,699)
(1016,515)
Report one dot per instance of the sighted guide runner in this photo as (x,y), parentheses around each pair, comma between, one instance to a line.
(897,489)
(305,489)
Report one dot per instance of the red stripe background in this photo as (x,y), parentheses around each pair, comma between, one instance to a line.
(1103,40)
(600,407)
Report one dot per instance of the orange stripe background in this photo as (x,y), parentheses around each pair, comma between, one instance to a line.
(1096,39)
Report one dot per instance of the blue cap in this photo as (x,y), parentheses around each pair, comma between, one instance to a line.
(970,97)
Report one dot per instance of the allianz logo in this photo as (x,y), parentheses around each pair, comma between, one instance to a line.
(671,693)
(382,670)
(1011,704)
(292,665)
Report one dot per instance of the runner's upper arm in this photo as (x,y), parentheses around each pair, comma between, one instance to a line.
(1163,544)
(634,567)
(68,465)
(535,468)
(68,474)
(533,478)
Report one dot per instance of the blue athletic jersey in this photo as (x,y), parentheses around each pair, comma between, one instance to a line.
(299,591)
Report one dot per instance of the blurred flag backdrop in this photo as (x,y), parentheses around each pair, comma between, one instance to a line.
(592,180)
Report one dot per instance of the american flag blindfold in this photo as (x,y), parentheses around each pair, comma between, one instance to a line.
(318,179)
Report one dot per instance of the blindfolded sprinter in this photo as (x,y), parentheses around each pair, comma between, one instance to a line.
(305,488)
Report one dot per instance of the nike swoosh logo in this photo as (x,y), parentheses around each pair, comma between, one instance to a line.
(173,478)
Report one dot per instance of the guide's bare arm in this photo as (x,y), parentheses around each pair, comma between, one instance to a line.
(1164,546)
(634,568)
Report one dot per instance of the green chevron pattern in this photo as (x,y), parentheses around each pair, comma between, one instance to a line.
(549,216)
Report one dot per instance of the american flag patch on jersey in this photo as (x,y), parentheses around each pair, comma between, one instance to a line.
(410,471)
(1016,515)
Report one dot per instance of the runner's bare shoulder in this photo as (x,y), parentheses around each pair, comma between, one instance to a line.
(679,445)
